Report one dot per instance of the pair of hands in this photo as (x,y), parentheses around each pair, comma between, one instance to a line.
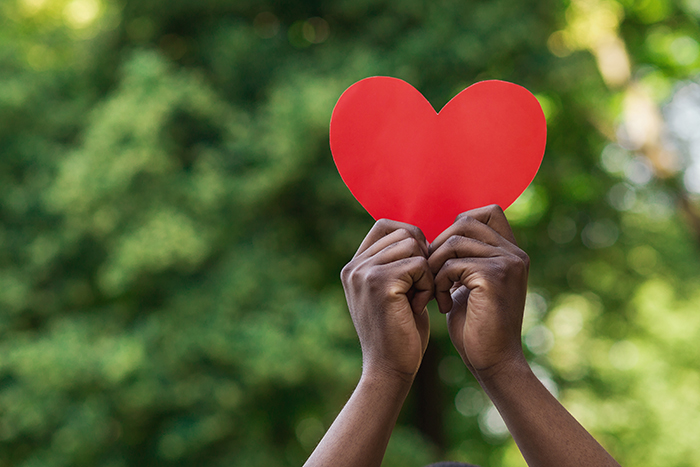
(474,270)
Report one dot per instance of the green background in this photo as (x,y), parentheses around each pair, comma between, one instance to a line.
(172,226)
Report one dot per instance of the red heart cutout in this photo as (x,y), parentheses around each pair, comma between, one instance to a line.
(404,161)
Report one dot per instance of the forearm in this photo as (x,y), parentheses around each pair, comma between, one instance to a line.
(361,432)
(546,433)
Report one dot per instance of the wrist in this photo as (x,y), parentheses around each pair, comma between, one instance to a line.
(389,370)
(504,372)
(386,378)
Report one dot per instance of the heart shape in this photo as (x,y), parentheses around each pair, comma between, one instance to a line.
(406,162)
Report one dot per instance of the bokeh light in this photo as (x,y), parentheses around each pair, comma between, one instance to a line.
(172,226)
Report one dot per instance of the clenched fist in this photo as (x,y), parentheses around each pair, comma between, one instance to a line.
(388,284)
(481,283)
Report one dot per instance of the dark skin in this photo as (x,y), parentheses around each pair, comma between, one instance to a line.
(478,276)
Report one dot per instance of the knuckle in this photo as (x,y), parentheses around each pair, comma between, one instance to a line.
(415,263)
(499,270)
(372,276)
(346,272)
(453,242)
(463,217)
(448,268)
(448,265)
(425,264)
(494,209)
(517,263)
(420,262)
(383,225)
(468,222)
(441,277)
(525,260)
(382,222)
(405,246)
(415,246)
(403,231)
(416,232)
(406,263)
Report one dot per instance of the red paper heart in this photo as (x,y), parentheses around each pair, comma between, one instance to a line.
(404,161)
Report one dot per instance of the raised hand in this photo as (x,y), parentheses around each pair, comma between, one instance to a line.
(388,284)
(478,276)
(481,283)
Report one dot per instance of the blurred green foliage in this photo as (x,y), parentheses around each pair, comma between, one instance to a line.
(172,227)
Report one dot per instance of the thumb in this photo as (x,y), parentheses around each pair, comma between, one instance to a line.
(456,321)
(460,296)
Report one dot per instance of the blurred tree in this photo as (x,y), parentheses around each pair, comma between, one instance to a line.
(172,226)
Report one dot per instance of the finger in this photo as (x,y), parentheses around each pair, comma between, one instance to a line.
(460,295)
(494,217)
(396,251)
(383,228)
(467,226)
(424,288)
(414,280)
(487,224)
(459,246)
(456,320)
(467,271)
(399,237)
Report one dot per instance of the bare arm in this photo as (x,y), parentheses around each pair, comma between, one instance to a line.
(361,432)
(479,278)
(481,283)
(387,285)
(544,430)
